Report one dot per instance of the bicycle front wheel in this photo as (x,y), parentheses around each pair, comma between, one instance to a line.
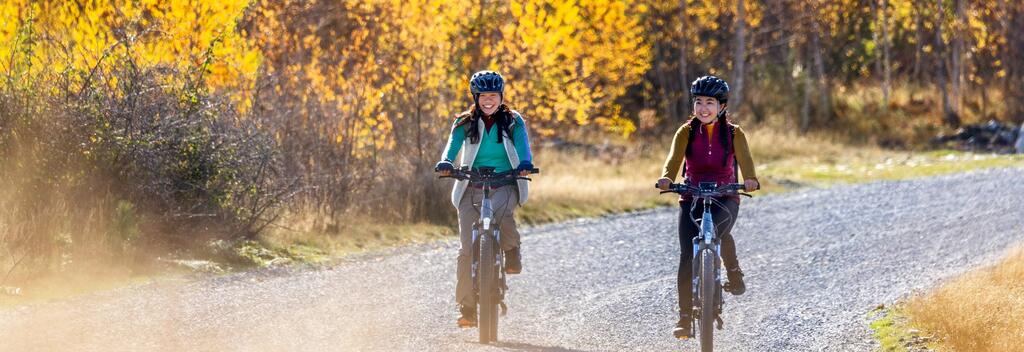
(488,287)
(707,299)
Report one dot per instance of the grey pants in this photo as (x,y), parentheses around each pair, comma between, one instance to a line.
(503,201)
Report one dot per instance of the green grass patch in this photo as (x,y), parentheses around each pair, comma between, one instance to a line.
(788,174)
(894,333)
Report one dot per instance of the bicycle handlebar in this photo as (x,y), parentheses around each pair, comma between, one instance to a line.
(486,175)
(704,192)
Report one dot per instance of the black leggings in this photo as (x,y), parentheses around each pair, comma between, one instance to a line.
(688,230)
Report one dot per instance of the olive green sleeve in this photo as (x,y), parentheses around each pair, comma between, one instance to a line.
(743,155)
(677,153)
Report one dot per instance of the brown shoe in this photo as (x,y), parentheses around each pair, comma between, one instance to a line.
(513,261)
(468,318)
(683,328)
(735,286)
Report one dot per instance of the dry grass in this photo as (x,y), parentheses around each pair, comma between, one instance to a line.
(310,236)
(573,184)
(980,311)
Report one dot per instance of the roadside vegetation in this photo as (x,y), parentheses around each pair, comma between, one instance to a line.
(982,310)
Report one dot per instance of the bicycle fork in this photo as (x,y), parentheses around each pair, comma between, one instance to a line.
(485,223)
(486,214)
(708,239)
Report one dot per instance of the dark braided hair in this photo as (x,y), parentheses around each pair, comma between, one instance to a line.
(470,119)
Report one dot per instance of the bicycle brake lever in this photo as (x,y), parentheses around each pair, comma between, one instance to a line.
(745,194)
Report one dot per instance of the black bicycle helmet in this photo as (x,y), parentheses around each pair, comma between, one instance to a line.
(486,82)
(710,86)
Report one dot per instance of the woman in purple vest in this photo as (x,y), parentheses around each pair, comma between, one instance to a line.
(711,147)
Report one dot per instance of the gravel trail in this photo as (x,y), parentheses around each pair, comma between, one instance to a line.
(817,261)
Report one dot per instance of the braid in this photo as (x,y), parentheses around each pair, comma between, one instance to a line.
(503,118)
(723,136)
(694,125)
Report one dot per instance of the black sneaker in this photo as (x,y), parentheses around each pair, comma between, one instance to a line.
(683,328)
(735,285)
(513,262)
(468,318)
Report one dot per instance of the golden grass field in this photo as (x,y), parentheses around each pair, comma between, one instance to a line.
(981,311)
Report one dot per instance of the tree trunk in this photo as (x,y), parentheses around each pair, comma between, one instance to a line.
(919,43)
(1014,71)
(824,111)
(948,116)
(874,37)
(684,83)
(667,96)
(886,67)
(1004,50)
(805,106)
(957,76)
(739,57)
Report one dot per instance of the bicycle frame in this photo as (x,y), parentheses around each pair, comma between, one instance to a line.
(484,224)
(707,239)
(706,307)
(488,279)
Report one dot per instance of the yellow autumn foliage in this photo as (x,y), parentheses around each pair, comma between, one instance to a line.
(567,61)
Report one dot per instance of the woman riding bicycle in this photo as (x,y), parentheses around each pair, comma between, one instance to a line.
(710,146)
(497,138)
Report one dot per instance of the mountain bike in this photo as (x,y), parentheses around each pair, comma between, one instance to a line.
(707,263)
(488,269)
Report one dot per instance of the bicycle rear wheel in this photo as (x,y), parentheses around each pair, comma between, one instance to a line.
(707,299)
(488,287)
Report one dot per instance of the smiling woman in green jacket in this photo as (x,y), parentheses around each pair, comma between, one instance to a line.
(489,135)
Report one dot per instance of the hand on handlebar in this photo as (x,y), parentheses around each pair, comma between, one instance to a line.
(751,185)
(525,168)
(444,168)
(663,183)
